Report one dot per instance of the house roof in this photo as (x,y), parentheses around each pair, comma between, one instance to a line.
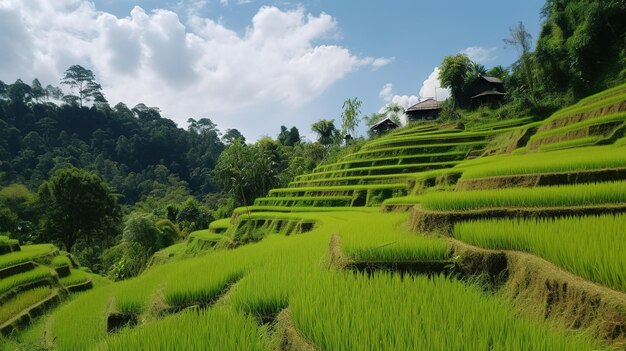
(492,92)
(387,120)
(492,79)
(428,104)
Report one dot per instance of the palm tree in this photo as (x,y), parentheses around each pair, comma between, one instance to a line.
(325,129)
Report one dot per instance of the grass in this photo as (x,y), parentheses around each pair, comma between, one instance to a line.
(193,330)
(28,253)
(592,247)
(617,117)
(351,311)
(223,223)
(384,243)
(5,240)
(585,107)
(555,196)
(76,277)
(183,291)
(22,301)
(37,274)
(588,158)
(403,200)
(332,309)
(578,142)
(375,169)
(60,261)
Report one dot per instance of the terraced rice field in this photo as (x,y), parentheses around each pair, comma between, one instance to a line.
(285,272)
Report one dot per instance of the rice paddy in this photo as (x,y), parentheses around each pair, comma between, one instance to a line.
(590,247)
(227,296)
(13,307)
(554,196)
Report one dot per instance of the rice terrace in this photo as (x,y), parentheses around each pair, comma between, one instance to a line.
(486,213)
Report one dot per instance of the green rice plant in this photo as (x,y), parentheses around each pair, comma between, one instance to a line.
(220,223)
(567,144)
(603,94)
(34,275)
(588,158)
(5,240)
(60,261)
(218,328)
(206,234)
(375,169)
(13,307)
(617,117)
(354,311)
(592,247)
(379,241)
(182,291)
(403,200)
(502,124)
(329,189)
(27,253)
(76,277)
(553,196)
(586,107)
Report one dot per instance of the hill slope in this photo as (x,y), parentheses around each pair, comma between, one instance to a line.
(510,236)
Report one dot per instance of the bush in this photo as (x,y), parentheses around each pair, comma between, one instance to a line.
(141,229)
(169,232)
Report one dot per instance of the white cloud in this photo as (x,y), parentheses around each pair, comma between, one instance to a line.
(431,88)
(480,54)
(191,69)
(388,95)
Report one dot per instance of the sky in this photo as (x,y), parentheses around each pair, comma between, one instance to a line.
(256,65)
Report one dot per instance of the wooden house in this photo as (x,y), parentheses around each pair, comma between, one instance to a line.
(425,110)
(383,126)
(487,91)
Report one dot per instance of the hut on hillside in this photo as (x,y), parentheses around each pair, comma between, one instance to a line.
(487,91)
(383,126)
(425,110)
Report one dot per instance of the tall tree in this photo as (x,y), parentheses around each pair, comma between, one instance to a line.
(36,90)
(84,81)
(326,131)
(521,39)
(350,115)
(78,205)
(454,73)
(232,135)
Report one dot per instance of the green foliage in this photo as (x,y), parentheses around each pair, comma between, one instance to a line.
(454,74)
(554,196)
(78,206)
(599,157)
(326,131)
(22,301)
(349,301)
(169,232)
(84,81)
(192,215)
(590,247)
(141,229)
(350,116)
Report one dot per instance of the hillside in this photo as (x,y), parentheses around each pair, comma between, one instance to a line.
(433,237)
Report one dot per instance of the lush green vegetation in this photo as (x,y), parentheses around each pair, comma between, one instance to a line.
(34,275)
(28,253)
(16,305)
(564,195)
(589,158)
(590,247)
(325,310)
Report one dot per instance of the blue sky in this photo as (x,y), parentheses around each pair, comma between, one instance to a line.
(293,65)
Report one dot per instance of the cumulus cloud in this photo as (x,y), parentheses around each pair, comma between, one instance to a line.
(390,98)
(480,54)
(191,68)
(431,88)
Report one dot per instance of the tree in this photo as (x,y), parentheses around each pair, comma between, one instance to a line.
(78,205)
(454,73)
(394,112)
(36,90)
(231,135)
(521,39)
(326,131)
(288,137)
(52,92)
(350,115)
(84,81)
